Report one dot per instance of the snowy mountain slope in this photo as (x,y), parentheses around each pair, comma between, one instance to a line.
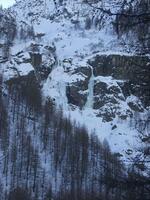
(69,52)
(79,33)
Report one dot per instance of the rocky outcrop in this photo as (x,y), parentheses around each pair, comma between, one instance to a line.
(121,85)
(77,90)
(43,59)
(133,70)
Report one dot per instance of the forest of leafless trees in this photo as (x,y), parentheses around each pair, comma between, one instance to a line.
(46,156)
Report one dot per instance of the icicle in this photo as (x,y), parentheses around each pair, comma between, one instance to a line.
(89,103)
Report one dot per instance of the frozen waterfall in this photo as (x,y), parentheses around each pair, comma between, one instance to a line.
(89,103)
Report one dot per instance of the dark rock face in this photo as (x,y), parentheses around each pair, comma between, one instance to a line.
(135,107)
(42,61)
(36,59)
(107,100)
(86,71)
(101,65)
(104,94)
(75,96)
(116,78)
(77,91)
(119,66)
(134,70)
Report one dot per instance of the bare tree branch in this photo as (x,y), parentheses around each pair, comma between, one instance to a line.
(108,11)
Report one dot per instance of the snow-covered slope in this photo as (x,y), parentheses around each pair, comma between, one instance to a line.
(75,44)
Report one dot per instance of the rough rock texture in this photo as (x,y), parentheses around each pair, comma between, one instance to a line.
(134,70)
(121,85)
(42,59)
(77,90)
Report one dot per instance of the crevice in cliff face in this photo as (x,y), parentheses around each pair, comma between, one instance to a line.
(90,97)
